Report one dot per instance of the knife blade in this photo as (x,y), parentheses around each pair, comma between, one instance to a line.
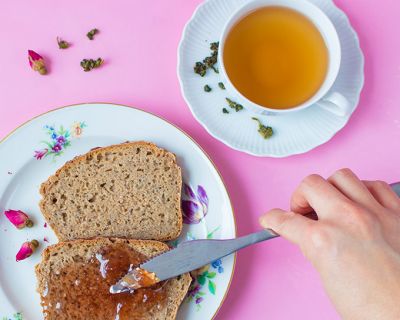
(191,255)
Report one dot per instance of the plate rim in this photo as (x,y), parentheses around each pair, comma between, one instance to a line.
(20,126)
(179,66)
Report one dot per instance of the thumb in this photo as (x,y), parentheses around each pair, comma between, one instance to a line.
(291,226)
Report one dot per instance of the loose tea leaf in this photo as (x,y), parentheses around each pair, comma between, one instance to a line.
(208,62)
(225,110)
(234,105)
(200,68)
(62,44)
(214,46)
(207,88)
(89,64)
(221,85)
(265,132)
(91,33)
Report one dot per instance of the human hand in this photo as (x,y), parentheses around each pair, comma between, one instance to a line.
(354,245)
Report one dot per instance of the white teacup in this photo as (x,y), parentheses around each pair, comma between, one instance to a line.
(330,100)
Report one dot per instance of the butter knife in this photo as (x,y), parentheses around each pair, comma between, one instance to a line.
(191,255)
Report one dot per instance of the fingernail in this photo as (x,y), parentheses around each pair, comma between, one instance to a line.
(263,221)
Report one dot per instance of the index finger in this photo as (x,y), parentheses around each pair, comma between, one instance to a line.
(315,193)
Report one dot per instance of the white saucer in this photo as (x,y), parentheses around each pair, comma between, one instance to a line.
(295,133)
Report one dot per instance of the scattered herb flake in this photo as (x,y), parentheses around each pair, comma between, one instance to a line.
(89,64)
(234,105)
(221,85)
(207,88)
(62,44)
(91,33)
(225,110)
(265,132)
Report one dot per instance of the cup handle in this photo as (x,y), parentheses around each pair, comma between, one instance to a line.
(336,103)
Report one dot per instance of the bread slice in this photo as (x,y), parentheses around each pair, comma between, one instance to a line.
(70,290)
(129,190)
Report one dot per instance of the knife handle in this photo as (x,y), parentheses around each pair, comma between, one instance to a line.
(245,241)
(396,188)
(226,247)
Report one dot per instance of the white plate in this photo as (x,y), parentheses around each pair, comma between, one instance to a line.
(89,126)
(294,133)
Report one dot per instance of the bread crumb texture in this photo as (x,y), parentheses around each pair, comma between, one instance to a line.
(130,190)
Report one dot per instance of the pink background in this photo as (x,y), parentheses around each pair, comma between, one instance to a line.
(139,40)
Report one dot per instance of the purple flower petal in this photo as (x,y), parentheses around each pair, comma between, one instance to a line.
(61,140)
(190,210)
(199,300)
(202,195)
(194,290)
(57,148)
(189,191)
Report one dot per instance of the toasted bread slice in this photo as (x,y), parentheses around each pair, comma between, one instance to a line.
(74,279)
(129,190)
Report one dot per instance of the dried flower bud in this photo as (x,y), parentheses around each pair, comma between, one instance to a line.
(18,218)
(36,62)
(62,44)
(26,250)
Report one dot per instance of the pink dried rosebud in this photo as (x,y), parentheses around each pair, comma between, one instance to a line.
(18,218)
(36,62)
(26,250)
